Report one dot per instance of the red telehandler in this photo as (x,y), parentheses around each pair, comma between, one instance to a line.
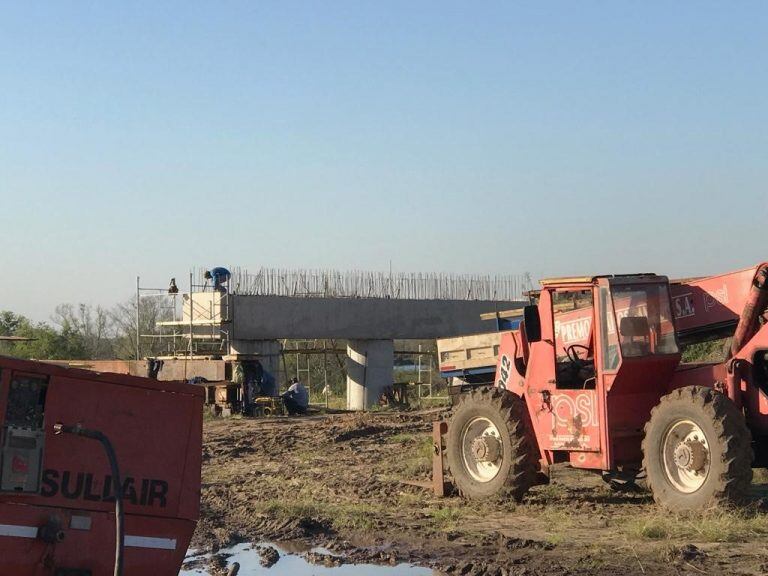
(593,377)
(99,473)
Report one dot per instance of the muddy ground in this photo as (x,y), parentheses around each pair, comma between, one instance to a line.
(338,481)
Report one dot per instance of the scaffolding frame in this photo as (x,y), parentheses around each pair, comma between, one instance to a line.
(173,327)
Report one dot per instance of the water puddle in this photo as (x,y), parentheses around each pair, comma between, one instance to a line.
(291,563)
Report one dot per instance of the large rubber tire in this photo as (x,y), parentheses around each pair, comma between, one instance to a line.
(728,453)
(517,462)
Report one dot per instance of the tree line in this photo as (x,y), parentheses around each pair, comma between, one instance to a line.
(80,332)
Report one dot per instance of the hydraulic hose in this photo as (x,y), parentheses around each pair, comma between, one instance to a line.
(749,320)
(78,430)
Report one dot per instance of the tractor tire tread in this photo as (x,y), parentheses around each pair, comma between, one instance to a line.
(733,471)
(513,412)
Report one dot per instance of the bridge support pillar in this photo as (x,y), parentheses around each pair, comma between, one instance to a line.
(370,364)
(268,352)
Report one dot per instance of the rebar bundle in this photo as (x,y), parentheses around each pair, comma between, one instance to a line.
(367,284)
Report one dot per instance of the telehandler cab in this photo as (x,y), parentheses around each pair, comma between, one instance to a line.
(594,378)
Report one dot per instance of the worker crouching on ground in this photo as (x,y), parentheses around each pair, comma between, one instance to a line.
(296,399)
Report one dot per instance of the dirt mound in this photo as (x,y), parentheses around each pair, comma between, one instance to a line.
(327,560)
(512,543)
(269,556)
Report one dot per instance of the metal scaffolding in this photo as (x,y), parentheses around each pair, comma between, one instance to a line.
(181,324)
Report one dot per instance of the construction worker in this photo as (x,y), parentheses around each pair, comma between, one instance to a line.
(153,367)
(220,276)
(296,399)
(253,375)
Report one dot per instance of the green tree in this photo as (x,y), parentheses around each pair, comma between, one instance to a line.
(9,323)
(45,342)
(123,317)
(92,328)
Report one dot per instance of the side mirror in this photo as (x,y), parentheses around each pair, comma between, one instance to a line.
(532,323)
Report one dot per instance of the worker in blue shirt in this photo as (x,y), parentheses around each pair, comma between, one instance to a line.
(220,276)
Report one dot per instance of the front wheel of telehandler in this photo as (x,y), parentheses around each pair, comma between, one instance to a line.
(697,450)
(489,452)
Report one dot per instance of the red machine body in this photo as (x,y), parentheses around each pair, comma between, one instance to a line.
(622,332)
(57,509)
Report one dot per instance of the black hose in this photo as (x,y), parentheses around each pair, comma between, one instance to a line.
(78,430)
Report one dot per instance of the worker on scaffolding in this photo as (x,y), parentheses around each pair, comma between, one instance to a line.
(296,399)
(220,277)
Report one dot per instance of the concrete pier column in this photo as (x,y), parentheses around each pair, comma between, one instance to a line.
(265,351)
(370,364)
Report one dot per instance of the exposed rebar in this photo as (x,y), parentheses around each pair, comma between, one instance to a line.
(368,284)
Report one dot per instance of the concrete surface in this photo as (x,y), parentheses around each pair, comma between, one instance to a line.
(277,317)
(369,370)
(266,351)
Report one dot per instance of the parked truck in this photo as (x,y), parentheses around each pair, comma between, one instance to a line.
(593,378)
(469,359)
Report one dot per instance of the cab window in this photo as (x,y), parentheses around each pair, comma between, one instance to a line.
(644,320)
(574,340)
(610,342)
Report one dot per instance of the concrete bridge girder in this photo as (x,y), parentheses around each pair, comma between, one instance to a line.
(278,317)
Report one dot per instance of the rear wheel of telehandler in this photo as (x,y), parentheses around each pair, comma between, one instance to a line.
(697,450)
(488,449)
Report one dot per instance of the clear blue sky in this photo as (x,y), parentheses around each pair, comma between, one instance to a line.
(549,137)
